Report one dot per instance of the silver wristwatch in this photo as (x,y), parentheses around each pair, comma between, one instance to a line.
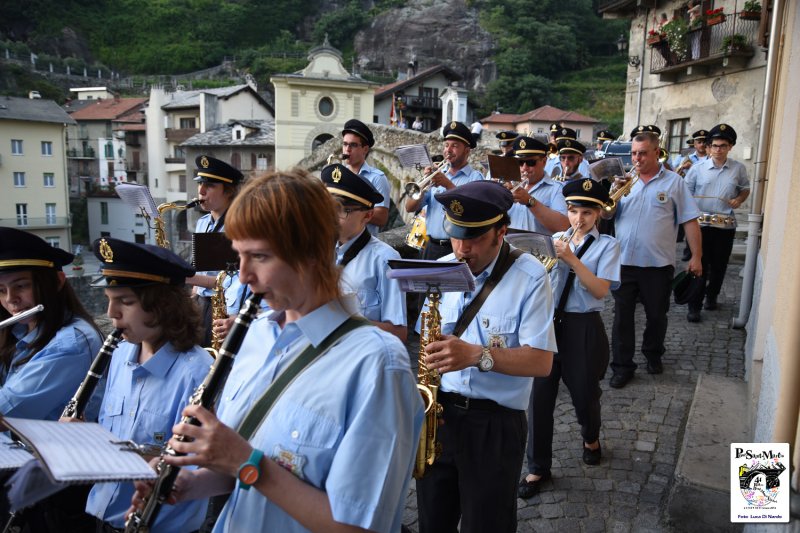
(486,362)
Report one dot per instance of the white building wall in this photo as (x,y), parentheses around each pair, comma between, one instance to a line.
(123,222)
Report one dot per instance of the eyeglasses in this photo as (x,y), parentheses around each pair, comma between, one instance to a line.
(568,157)
(529,162)
(643,153)
(344,212)
(720,146)
(352,145)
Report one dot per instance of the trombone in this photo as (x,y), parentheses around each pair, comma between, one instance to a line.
(414,189)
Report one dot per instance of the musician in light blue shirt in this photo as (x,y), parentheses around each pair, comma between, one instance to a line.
(458,143)
(573,165)
(719,185)
(486,371)
(338,445)
(364,258)
(153,371)
(357,141)
(538,205)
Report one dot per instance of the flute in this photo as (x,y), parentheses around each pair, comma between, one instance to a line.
(22,316)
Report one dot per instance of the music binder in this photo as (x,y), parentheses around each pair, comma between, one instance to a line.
(504,168)
(213,251)
(80,452)
(12,454)
(419,275)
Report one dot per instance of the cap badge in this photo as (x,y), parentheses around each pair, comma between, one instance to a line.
(587,185)
(564,131)
(522,144)
(204,162)
(641,128)
(723,127)
(106,252)
(567,143)
(453,125)
(456,208)
(336,175)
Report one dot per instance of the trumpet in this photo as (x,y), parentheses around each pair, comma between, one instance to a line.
(337,157)
(550,262)
(523,184)
(414,189)
(616,194)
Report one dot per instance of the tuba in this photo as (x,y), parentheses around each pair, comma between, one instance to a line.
(161,233)
(428,381)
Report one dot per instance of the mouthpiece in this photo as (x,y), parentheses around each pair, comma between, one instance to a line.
(345,157)
(193,203)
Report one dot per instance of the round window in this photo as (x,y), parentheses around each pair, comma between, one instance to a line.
(326,106)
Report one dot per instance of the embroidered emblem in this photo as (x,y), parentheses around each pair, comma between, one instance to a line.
(106,252)
(159,437)
(641,128)
(497,341)
(503,135)
(336,175)
(567,143)
(485,322)
(456,208)
(564,131)
(723,127)
(289,460)
(661,196)
(453,125)
(587,185)
(204,162)
(522,143)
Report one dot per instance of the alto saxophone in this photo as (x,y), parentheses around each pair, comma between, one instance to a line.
(428,382)
(161,233)
(219,310)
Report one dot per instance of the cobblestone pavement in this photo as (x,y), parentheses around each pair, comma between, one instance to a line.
(642,431)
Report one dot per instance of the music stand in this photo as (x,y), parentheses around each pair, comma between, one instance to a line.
(422,275)
(213,251)
(538,244)
(504,168)
(139,198)
(413,156)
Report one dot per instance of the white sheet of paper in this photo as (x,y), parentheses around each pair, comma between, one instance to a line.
(420,275)
(12,454)
(138,197)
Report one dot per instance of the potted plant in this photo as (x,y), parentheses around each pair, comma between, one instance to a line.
(751,10)
(733,43)
(715,16)
(654,37)
(675,32)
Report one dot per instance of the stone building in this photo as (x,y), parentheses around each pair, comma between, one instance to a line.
(538,121)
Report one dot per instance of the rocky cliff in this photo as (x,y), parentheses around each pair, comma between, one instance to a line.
(435,31)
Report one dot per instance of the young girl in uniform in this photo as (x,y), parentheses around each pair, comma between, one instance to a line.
(579,287)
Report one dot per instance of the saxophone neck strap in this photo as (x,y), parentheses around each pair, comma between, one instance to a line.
(356,247)
(505,259)
(258,413)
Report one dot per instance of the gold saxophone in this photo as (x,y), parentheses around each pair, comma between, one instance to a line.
(219,311)
(428,382)
(161,233)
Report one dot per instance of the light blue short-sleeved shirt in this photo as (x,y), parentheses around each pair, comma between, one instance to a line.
(381,183)
(348,425)
(647,220)
(234,290)
(142,403)
(546,191)
(41,388)
(379,297)
(434,217)
(602,259)
(705,180)
(518,312)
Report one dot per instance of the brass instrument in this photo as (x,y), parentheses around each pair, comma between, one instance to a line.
(685,165)
(414,189)
(219,311)
(428,382)
(521,184)
(418,236)
(161,233)
(337,157)
(550,262)
(552,150)
(616,194)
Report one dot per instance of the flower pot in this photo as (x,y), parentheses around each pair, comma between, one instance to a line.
(654,39)
(750,15)
(716,19)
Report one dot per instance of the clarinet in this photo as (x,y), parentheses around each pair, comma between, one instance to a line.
(141,521)
(77,405)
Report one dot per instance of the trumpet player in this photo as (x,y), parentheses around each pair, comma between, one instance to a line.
(217,185)
(458,143)
(698,141)
(487,371)
(538,204)
(646,222)
(569,163)
(588,267)
(357,141)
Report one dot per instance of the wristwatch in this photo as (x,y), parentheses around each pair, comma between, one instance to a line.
(250,471)
(531,201)
(486,362)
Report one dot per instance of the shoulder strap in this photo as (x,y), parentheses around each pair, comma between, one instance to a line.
(562,301)
(356,247)
(262,407)
(504,262)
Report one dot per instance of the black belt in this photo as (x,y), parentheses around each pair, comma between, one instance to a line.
(441,242)
(463,402)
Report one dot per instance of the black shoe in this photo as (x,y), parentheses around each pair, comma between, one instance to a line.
(693,316)
(711,303)
(687,255)
(655,367)
(529,489)
(592,457)
(620,380)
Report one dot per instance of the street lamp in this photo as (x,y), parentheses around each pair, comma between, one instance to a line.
(622,44)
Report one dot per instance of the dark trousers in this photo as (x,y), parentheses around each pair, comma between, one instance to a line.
(60,512)
(581,363)
(475,477)
(651,285)
(717,246)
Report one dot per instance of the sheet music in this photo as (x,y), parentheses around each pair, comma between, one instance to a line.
(138,197)
(504,168)
(538,244)
(419,275)
(79,452)
(12,454)
(607,169)
(413,156)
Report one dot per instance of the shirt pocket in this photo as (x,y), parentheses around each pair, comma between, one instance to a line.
(153,427)
(370,300)
(497,330)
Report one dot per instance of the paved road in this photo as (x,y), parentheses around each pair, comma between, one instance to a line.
(642,431)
